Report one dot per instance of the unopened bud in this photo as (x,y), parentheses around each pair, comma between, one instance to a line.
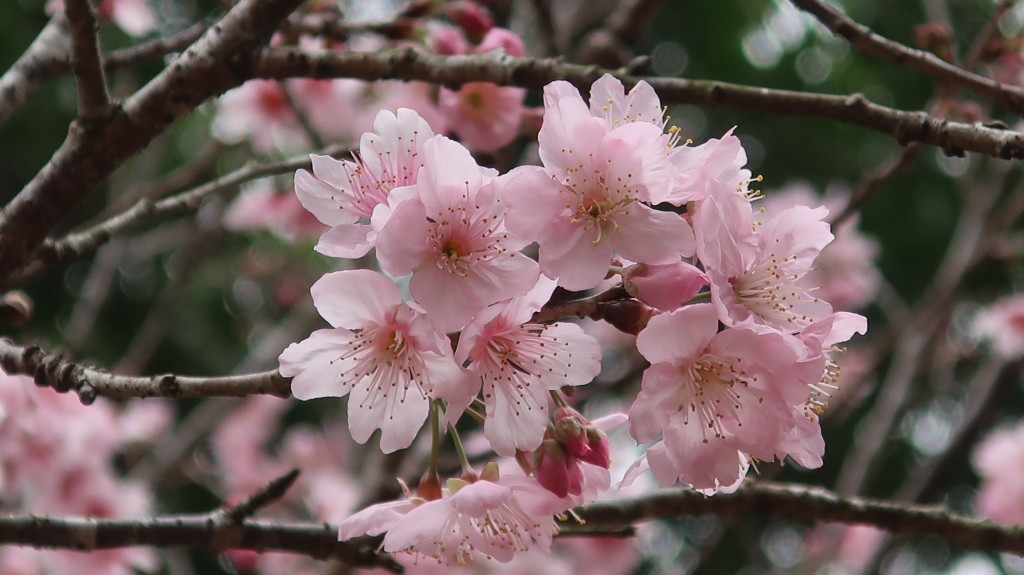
(15,307)
(429,487)
(629,316)
(664,286)
(471,17)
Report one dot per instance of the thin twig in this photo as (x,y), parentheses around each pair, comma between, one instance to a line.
(261,498)
(145,211)
(53,370)
(865,40)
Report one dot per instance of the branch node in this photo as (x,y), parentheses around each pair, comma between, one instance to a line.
(86,393)
(168,385)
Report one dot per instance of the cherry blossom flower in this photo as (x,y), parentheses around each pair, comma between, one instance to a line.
(497,518)
(258,111)
(592,196)
(483,115)
(1002,324)
(519,363)
(846,271)
(717,159)
(715,397)
(341,193)
(263,207)
(756,275)
(448,232)
(997,459)
(390,366)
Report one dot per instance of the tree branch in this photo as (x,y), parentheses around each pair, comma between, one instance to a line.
(954,138)
(63,375)
(865,40)
(45,58)
(93,98)
(319,541)
(214,63)
(806,503)
(786,501)
(155,48)
(146,211)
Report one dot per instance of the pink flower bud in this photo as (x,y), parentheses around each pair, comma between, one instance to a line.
(557,471)
(500,38)
(664,286)
(241,560)
(447,41)
(472,17)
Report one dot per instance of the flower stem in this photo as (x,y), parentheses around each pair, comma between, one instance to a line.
(559,400)
(435,437)
(459,449)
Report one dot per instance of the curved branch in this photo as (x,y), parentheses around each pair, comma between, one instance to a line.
(865,40)
(53,370)
(807,503)
(954,138)
(788,501)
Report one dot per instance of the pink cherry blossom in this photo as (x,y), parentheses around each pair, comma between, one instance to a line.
(592,196)
(258,111)
(997,459)
(263,207)
(449,233)
(1002,325)
(497,519)
(757,275)
(519,363)
(717,160)
(341,193)
(484,116)
(846,270)
(715,397)
(390,367)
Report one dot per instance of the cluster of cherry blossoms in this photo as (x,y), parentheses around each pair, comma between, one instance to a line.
(67,468)
(740,348)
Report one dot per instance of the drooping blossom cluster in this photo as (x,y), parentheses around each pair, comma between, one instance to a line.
(57,458)
(741,347)
(996,460)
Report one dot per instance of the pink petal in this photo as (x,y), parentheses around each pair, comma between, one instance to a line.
(355,298)
(533,200)
(310,363)
(679,336)
(348,241)
(323,201)
(649,236)
(402,243)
